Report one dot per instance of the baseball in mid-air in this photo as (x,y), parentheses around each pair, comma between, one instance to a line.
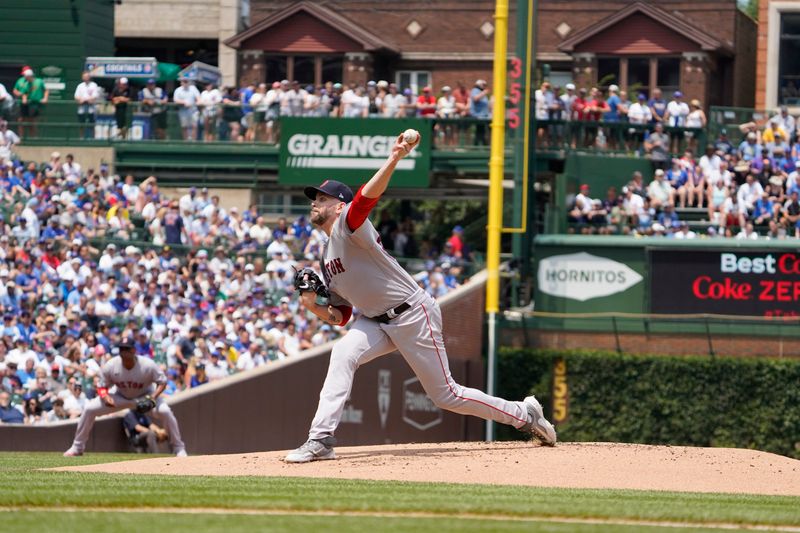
(410,136)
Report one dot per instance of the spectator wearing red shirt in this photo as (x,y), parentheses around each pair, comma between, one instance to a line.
(457,242)
(426,103)
(461,94)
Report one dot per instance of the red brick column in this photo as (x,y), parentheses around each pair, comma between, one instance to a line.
(695,76)
(251,67)
(357,68)
(584,68)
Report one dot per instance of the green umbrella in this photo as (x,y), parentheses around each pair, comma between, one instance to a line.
(168,71)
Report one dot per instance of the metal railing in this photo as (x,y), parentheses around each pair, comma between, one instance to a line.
(58,122)
(710,327)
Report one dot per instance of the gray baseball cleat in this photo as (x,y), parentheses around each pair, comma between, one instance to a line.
(313,450)
(538,425)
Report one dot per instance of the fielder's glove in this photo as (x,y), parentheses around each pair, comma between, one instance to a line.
(306,280)
(145,405)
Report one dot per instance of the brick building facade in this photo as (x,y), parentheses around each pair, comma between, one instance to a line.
(706,48)
(778,56)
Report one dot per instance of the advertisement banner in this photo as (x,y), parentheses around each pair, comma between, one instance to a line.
(122,67)
(735,282)
(55,81)
(589,279)
(350,150)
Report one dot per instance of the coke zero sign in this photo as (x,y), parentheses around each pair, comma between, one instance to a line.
(737,282)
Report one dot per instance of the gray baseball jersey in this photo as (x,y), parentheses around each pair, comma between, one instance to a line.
(132,383)
(357,269)
(359,272)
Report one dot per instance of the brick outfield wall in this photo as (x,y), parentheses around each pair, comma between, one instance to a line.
(732,346)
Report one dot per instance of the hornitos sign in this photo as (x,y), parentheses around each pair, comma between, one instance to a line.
(582,276)
(350,150)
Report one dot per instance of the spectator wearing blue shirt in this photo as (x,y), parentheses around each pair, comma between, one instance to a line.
(658,106)
(613,102)
(27,373)
(669,218)
(479,109)
(677,177)
(8,413)
(200,377)
(749,149)
(764,210)
(54,231)
(25,329)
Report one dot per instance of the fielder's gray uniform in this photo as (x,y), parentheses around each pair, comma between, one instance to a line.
(359,272)
(130,385)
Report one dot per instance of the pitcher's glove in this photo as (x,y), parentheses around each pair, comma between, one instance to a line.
(145,405)
(306,280)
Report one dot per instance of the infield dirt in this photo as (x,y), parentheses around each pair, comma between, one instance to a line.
(569,465)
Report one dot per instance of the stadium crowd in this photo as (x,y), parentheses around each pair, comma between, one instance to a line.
(746,190)
(250,113)
(206,291)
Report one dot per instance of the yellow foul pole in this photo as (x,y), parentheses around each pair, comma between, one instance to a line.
(495,218)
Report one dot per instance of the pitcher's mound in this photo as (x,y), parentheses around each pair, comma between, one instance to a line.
(571,465)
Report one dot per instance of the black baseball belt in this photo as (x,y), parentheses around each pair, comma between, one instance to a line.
(387,317)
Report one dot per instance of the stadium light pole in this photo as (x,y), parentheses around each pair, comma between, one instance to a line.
(495,218)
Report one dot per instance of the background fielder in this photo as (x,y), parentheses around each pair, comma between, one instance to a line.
(134,377)
(396,315)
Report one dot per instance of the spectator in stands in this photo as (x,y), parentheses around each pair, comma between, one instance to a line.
(121,95)
(734,212)
(717,195)
(678,179)
(658,106)
(660,192)
(426,103)
(748,233)
(586,210)
(656,145)
(8,413)
(723,145)
(790,214)
(8,140)
(187,97)
(684,233)
(479,109)
(87,94)
(154,100)
(6,103)
(456,240)
(33,95)
(749,149)
(209,109)
(639,114)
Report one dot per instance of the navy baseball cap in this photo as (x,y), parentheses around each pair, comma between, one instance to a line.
(333,188)
(127,342)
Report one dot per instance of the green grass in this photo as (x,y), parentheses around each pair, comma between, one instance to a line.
(24,487)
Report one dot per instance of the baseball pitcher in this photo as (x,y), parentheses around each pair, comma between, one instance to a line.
(134,377)
(395,315)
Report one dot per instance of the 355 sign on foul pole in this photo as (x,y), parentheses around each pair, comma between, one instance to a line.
(350,150)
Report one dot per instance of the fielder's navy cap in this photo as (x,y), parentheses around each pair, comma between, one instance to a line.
(333,188)
(127,342)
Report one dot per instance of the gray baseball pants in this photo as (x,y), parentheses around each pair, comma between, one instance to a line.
(96,407)
(417,335)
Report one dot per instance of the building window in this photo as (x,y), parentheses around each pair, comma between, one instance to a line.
(332,69)
(276,68)
(639,74)
(303,69)
(669,74)
(638,79)
(413,79)
(608,72)
(315,69)
(789,60)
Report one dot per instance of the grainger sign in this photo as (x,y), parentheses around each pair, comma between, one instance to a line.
(350,150)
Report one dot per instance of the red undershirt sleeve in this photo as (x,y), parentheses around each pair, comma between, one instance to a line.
(346,311)
(359,210)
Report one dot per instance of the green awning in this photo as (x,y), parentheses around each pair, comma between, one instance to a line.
(168,71)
